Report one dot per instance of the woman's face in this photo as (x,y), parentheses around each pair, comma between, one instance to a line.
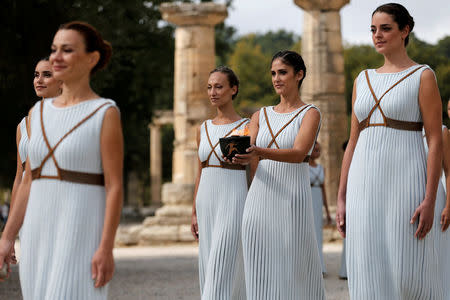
(45,85)
(69,58)
(315,154)
(386,36)
(283,78)
(219,90)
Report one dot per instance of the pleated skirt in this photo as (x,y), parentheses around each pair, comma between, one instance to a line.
(220,203)
(60,234)
(317,203)
(386,183)
(281,255)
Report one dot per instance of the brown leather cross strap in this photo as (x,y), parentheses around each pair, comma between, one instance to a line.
(62,174)
(388,122)
(282,128)
(205,163)
(224,165)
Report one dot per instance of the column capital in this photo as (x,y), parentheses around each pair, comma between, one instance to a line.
(185,14)
(325,5)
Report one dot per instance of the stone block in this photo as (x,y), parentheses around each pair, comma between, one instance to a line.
(128,236)
(158,234)
(177,194)
(176,211)
(185,233)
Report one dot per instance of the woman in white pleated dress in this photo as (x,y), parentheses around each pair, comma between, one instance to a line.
(319,199)
(388,185)
(281,256)
(70,198)
(220,192)
(45,86)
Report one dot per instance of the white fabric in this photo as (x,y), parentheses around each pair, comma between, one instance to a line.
(386,183)
(220,204)
(64,220)
(23,143)
(317,176)
(281,256)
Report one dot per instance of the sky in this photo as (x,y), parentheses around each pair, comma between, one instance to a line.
(432,18)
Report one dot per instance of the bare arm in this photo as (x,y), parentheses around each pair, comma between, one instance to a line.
(254,129)
(445,216)
(431,109)
(194,225)
(346,162)
(325,201)
(303,143)
(111,144)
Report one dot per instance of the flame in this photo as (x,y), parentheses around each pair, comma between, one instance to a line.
(242,132)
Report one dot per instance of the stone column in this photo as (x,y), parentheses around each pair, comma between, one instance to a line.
(324,84)
(194,59)
(155,163)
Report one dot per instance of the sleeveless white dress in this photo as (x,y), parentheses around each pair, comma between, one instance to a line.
(386,183)
(23,143)
(317,176)
(442,239)
(64,220)
(281,256)
(220,203)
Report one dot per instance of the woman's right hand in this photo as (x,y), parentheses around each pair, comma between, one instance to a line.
(340,216)
(445,218)
(5,257)
(194,226)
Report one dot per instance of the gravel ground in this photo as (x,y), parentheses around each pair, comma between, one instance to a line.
(170,273)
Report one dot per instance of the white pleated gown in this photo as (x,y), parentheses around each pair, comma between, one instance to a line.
(23,143)
(442,239)
(281,256)
(220,203)
(386,183)
(64,220)
(317,176)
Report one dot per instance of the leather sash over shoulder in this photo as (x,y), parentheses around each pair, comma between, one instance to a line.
(388,122)
(273,141)
(224,165)
(62,174)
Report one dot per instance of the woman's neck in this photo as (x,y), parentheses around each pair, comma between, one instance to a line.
(226,114)
(312,163)
(289,102)
(397,61)
(74,92)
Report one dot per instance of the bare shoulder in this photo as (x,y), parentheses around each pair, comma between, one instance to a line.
(427,76)
(255,115)
(312,114)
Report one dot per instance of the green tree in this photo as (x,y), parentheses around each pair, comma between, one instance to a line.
(252,67)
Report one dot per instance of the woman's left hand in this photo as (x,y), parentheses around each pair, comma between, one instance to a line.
(244,159)
(102,267)
(445,218)
(425,214)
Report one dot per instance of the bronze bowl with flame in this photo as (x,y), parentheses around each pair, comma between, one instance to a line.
(235,144)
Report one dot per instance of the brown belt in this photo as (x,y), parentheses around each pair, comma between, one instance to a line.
(72,176)
(391,123)
(223,165)
(305,160)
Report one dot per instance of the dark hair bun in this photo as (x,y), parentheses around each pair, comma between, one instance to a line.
(93,41)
